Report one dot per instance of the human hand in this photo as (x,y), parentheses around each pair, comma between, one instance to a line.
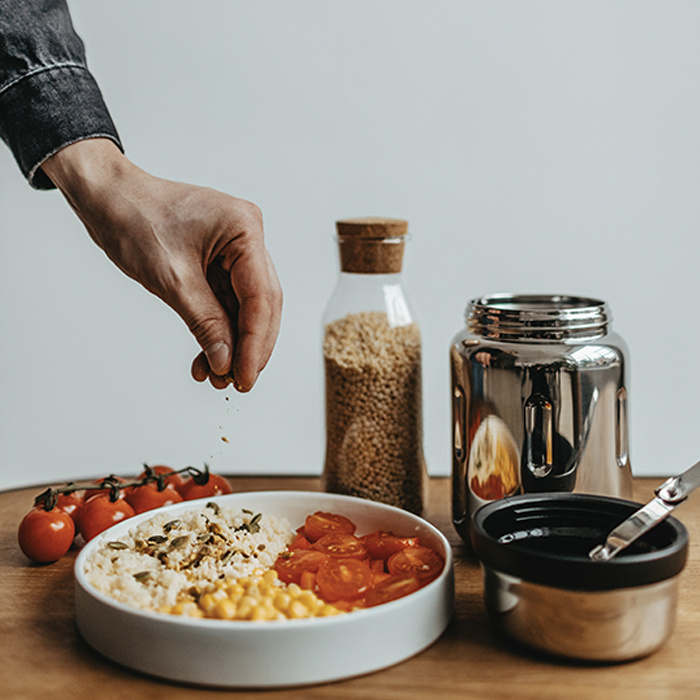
(199,250)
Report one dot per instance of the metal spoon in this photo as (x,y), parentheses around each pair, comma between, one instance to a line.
(669,495)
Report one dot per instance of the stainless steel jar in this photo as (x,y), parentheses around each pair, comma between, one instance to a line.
(539,401)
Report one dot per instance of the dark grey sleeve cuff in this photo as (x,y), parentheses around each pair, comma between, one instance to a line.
(49,109)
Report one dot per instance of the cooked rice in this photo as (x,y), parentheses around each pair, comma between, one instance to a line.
(167,558)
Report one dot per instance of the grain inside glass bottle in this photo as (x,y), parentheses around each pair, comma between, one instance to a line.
(372,359)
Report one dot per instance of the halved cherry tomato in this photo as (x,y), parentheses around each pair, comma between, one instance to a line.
(172,477)
(381,545)
(299,542)
(215,486)
(341,546)
(147,496)
(392,588)
(290,565)
(422,562)
(377,565)
(45,535)
(99,513)
(343,579)
(70,503)
(318,524)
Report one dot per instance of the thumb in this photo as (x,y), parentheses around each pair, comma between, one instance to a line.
(208,322)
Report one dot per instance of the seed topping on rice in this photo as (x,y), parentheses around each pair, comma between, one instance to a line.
(157,562)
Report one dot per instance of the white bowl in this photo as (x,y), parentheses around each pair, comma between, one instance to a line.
(271,654)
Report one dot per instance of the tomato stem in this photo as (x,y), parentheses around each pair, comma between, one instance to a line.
(47,499)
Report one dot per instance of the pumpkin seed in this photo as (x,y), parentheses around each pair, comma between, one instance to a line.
(116,544)
(214,507)
(227,556)
(171,525)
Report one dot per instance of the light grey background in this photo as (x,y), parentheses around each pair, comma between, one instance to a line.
(533,146)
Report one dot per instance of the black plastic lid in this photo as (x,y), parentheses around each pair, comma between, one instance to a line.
(545,538)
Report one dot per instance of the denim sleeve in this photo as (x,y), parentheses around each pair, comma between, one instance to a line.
(48,97)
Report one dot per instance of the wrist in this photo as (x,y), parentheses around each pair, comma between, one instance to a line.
(85,167)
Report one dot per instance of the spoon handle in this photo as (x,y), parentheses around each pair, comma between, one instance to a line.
(669,495)
(676,489)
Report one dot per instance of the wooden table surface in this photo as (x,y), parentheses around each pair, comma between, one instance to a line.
(42,655)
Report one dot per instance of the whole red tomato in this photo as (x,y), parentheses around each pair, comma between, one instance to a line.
(215,486)
(46,535)
(70,503)
(172,477)
(147,497)
(99,513)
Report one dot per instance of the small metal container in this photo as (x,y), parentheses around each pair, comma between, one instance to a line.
(543,590)
(539,401)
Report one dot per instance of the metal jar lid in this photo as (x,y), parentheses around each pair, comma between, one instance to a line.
(545,539)
(537,317)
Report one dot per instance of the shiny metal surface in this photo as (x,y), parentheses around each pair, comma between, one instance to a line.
(615,625)
(539,401)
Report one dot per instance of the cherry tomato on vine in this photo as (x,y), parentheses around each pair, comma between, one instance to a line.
(99,513)
(216,486)
(45,535)
(343,579)
(422,562)
(319,523)
(148,497)
(172,477)
(341,546)
(70,503)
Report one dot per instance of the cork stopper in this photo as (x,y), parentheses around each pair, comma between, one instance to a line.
(372,245)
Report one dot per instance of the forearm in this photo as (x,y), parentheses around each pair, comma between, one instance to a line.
(48,97)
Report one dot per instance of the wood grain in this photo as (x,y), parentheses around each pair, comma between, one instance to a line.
(41,652)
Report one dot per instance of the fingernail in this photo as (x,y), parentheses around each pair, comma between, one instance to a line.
(219,358)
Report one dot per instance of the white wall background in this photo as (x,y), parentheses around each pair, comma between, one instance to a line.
(533,146)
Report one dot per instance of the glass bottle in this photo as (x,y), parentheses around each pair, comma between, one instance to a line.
(372,361)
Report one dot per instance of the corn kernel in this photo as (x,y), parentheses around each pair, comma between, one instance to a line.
(309,599)
(327,610)
(297,610)
(207,602)
(224,610)
(265,611)
(281,601)
(245,607)
(235,589)
(270,577)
